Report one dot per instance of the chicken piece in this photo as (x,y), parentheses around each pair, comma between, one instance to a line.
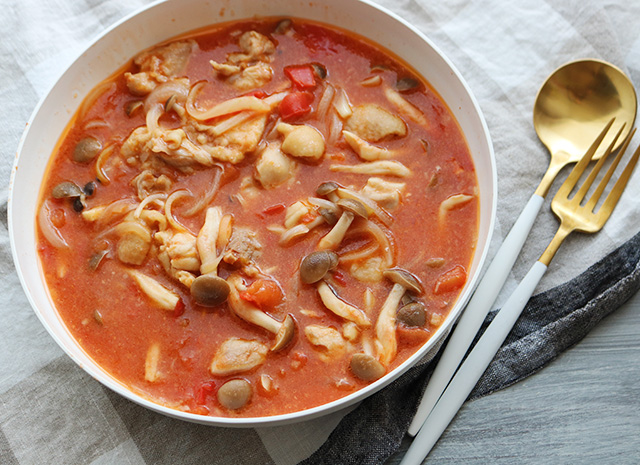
(146,183)
(161,296)
(373,123)
(368,271)
(274,167)
(248,69)
(243,248)
(328,340)
(301,141)
(364,149)
(178,254)
(255,47)
(237,355)
(378,168)
(177,147)
(157,65)
(387,194)
(252,77)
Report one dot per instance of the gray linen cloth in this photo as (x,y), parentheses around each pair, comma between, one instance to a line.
(52,412)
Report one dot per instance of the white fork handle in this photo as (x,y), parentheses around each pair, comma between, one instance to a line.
(473,367)
(476,311)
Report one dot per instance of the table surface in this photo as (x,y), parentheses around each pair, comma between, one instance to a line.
(584,407)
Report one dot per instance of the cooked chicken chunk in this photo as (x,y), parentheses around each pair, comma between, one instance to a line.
(178,254)
(248,69)
(243,248)
(237,355)
(177,147)
(274,167)
(374,123)
(328,340)
(387,194)
(158,65)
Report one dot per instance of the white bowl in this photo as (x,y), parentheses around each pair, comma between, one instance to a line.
(164,20)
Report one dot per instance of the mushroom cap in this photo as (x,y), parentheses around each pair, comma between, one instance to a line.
(412,314)
(209,290)
(354,206)
(66,189)
(235,393)
(404,278)
(285,334)
(316,265)
(87,149)
(327,188)
(366,367)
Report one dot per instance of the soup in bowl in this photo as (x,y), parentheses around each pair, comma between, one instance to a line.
(255,220)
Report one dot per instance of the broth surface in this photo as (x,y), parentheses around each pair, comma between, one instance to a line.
(120,251)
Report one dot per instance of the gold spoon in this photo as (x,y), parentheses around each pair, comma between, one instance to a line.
(573,105)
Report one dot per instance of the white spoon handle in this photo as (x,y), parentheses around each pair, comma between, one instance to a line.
(476,311)
(473,367)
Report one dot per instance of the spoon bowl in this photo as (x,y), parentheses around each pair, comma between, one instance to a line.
(577,101)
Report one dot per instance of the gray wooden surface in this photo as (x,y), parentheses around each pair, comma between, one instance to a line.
(583,408)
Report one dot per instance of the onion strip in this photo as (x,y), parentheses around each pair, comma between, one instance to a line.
(169,204)
(202,202)
(100,162)
(147,200)
(233,105)
(49,231)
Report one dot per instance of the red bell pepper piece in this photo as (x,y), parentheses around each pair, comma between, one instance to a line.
(295,104)
(302,77)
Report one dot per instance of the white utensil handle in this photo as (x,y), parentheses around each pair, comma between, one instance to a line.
(473,367)
(476,311)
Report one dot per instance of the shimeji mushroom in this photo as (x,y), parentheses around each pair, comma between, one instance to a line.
(329,190)
(235,394)
(316,265)
(350,209)
(385,329)
(209,289)
(314,268)
(284,331)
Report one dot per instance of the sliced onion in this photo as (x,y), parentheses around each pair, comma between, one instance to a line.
(162,93)
(101,161)
(227,107)
(147,200)
(153,115)
(169,204)
(325,102)
(205,200)
(342,105)
(49,231)
(386,244)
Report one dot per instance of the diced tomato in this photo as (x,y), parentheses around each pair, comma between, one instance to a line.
(298,360)
(204,391)
(411,336)
(308,218)
(258,93)
(339,278)
(302,76)
(264,293)
(274,209)
(179,309)
(295,104)
(451,280)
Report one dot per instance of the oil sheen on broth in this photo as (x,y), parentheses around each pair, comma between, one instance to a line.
(257,218)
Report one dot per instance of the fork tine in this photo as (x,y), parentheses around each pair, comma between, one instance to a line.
(568,185)
(613,197)
(590,205)
(586,185)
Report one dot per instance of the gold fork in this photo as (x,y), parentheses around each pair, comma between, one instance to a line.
(574,215)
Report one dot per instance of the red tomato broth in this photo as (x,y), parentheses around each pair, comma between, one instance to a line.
(189,338)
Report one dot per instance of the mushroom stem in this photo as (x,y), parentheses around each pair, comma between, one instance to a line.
(386,325)
(333,238)
(283,331)
(340,307)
